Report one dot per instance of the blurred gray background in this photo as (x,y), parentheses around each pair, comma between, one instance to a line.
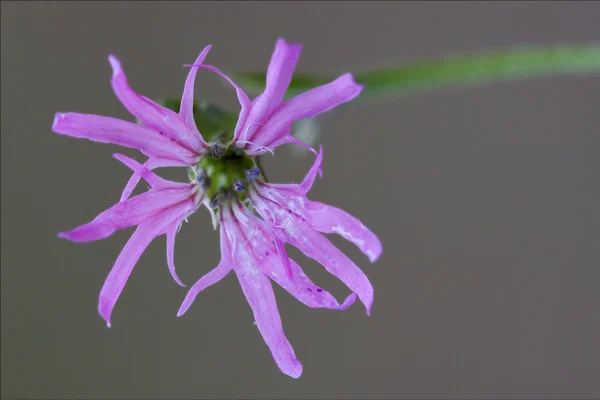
(486,200)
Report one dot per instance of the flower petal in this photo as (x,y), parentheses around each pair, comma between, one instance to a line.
(308,104)
(171,233)
(241,95)
(150,164)
(279,75)
(328,219)
(186,109)
(164,120)
(111,130)
(313,244)
(260,296)
(258,239)
(258,291)
(154,180)
(302,287)
(319,248)
(283,257)
(133,211)
(210,278)
(131,253)
(304,187)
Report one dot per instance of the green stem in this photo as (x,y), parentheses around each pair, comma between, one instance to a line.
(481,67)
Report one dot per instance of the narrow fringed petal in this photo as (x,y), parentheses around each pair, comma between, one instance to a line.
(303,288)
(211,277)
(155,181)
(258,239)
(313,244)
(304,187)
(171,234)
(150,164)
(245,103)
(279,75)
(187,98)
(167,121)
(137,244)
(305,105)
(260,296)
(133,211)
(328,219)
(111,130)
(322,217)
(259,293)
(283,257)
(319,248)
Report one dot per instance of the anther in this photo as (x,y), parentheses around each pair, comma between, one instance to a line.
(252,173)
(217,150)
(203,180)
(215,200)
(226,194)
(238,186)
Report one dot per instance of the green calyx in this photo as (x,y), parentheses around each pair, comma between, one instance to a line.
(220,177)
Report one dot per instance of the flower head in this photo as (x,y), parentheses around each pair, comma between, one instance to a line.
(158,211)
(256,218)
(254,249)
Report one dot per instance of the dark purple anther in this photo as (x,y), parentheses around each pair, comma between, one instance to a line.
(238,186)
(203,180)
(215,200)
(217,150)
(252,173)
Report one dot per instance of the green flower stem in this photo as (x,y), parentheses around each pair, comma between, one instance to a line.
(481,67)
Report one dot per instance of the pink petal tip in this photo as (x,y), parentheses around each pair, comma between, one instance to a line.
(115,65)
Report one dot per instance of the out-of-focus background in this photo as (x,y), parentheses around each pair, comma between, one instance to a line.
(485,198)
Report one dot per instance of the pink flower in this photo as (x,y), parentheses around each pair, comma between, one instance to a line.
(225,178)
(254,249)
(167,137)
(159,211)
(265,122)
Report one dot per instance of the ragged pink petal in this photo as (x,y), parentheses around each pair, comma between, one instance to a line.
(304,187)
(171,233)
(133,211)
(312,243)
(210,278)
(154,180)
(155,116)
(328,219)
(257,288)
(349,301)
(305,105)
(283,257)
(260,296)
(319,248)
(111,130)
(256,243)
(137,244)
(279,75)
(241,95)
(150,164)
(187,98)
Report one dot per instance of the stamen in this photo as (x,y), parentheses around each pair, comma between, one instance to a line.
(203,180)
(226,194)
(238,186)
(215,200)
(252,173)
(217,150)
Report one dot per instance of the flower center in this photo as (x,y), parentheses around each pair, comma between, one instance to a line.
(223,173)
